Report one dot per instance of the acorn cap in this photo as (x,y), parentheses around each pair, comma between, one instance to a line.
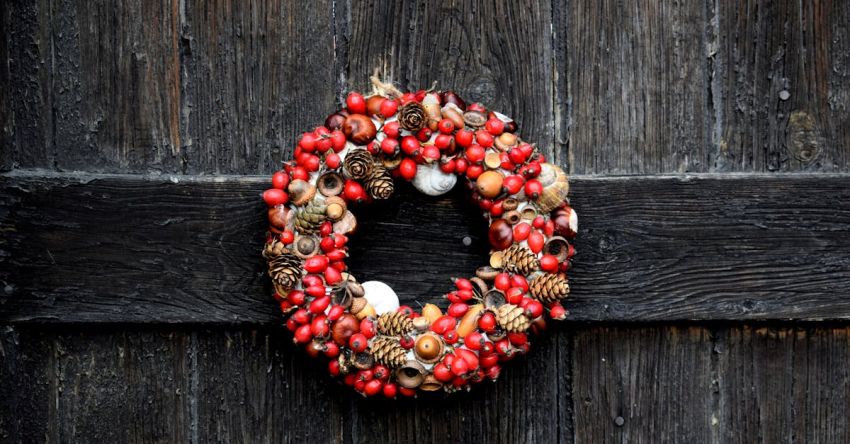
(330,184)
(358,304)
(487,273)
(301,192)
(430,384)
(558,247)
(410,375)
(306,246)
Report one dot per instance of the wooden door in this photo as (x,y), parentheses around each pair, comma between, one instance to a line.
(708,143)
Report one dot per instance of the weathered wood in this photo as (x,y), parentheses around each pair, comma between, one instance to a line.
(724,385)
(496,53)
(124,249)
(28,385)
(636,87)
(780,85)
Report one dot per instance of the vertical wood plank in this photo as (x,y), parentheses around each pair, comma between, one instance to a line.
(258,73)
(637,87)
(255,386)
(120,387)
(26,385)
(642,385)
(781,80)
(497,53)
(115,85)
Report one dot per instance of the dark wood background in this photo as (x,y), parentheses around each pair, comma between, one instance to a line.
(709,143)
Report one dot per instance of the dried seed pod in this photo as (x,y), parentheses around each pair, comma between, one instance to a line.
(412,116)
(410,375)
(357,164)
(512,318)
(430,384)
(306,246)
(492,160)
(330,184)
(557,246)
(513,217)
(363,361)
(452,112)
(335,208)
(475,119)
(431,312)
(528,213)
(469,322)
(358,304)
(368,311)
(547,288)
(391,162)
(394,324)
(487,273)
(480,285)
(301,192)
(506,141)
(494,299)
(510,204)
(421,323)
(518,259)
(429,347)
(388,351)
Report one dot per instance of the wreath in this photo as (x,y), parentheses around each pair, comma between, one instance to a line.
(429,138)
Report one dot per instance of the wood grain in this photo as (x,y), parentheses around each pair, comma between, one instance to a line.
(636,86)
(26,369)
(780,85)
(703,384)
(109,249)
(497,53)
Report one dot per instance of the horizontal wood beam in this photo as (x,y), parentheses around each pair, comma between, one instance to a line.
(141,249)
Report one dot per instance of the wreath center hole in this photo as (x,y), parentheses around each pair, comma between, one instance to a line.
(416,243)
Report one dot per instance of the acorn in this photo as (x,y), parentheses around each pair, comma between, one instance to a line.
(359,129)
(487,273)
(347,224)
(301,192)
(492,160)
(489,183)
(469,322)
(330,184)
(335,208)
(428,347)
(557,246)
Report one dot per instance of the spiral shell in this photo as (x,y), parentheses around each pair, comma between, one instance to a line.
(432,181)
(556,187)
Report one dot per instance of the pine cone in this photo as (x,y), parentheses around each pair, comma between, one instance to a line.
(285,270)
(412,116)
(394,324)
(549,288)
(358,164)
(517,259)
(273,249)
(388,351)
(310,218)
(512,318)
(380,183)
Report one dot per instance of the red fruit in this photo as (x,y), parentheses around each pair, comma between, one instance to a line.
(308,142)
(406,342)
(443,324)
(517,156)
(274,197)
(336,312)
(391,129)
(359,385)
(303,334)
(367,327)
(389,107)
(513,183)
(487,322)
(460,166)
(459,367)
(423,135)
(332,276)
(531,170)
(533,188)
(446,126)
(407,168)
(484,138)
(489,360)
(469,357)
(535,242)
(333,367)
(358,342)
(409,145)
(337,140)
(465,295)
(389,146)
(538,222)
(493,372)
(477,107)
(316,291)
(474,340)
(442,373)
(337,255)
(381,372)
(390,390)
(451,336)
(356,103)
(519,280)
(324,144)
(534,309)
(443,142)
(285,306)
(497,209)
(332,161)
(319,326)
(287,237)
(280,180)
(495,126)
(505,162)
(514,295)
(407,392)
(557,312)
(326,228)
(316,264)
(311,280)
(353,191)
(320,303)
(406,310)
(549,263)
(502,281)
(301,316)
(463,284)
(373,387)
(464,137)
(296,297)
(373,147)
(475,153)
(331,349)
(521,231)
(300,173)
(430,153)
(473,171)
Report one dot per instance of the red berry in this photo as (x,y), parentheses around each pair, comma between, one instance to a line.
(409,145)
(332,161)
(534,310)
(557,312)
(356,103)
(391,129)
(274,197)
(513,183)
(300,173)
(320,303)
(280,180)
(316,264)
(317,291)
(442,373)
(332,276)
(319,326)
(353,191)
(358,342)
(423,135)
(464,137)
(451,336)
(521,231)
(533,188)
(549,263)
(459,367)
(407,168)
(367,327)
(463,284)
(333,367)
(331,349)
(473,171)
(389,107)
(516,155)
(430,153)
(443,324)
(495,126)
(460,166)
(336,312)
(303,335)
(502,281)
(474,341)
(475,153)
(487,321)
(446,126)
(535,242)
(389,146)
(514,295)
(308,142)
(296,297)
(390,390)
(519,280)
(484,138)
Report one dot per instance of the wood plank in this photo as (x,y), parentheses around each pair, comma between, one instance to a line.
(454,44)
(780,85)
(258,74)
(642,385)
(636,86)
(26,369)
(124,249)
(121,386)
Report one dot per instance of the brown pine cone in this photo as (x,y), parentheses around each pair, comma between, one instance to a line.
(412,116)
(285,270)
(358,164)
(309,219)
(518,259)
(394,324)
(549,288)
(512,318)
(379,184)
(388,351)
(273,249)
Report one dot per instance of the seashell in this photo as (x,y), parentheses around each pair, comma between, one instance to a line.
(330,184)
(557,246)
(453,113)
(431,102)
(410,375)
(430,180)
(487,273)
(489,183)
(548,174)
(306,246)
(430,384)
(335,207)
(428,348)
(347,224)
(380,296)
(431,312)
(510,204)
(474,119)
(513,217)
(469,322)
(494,298)
(301,192)
(556,191)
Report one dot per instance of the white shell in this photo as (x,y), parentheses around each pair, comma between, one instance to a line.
(548,174)
(380,296)
(432,181)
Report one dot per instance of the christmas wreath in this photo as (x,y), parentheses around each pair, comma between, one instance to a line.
(429,138)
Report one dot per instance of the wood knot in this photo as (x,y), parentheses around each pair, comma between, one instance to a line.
(803,138)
